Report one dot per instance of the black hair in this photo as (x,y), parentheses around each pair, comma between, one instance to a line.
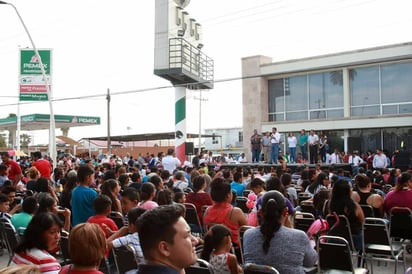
(101,203)
(42,185)
(107,188)
(178,195)
(213,239)
(286,179)
(83,171)
(135,176)
(7,189)
(341,201)
(131,193)
(146,191)
(237,176)
(318,182)
(30,205)
(198,182)
(164,197)
(134,214)
(157,225)
(362,181)
(3,198)
(36,154)
(123,180)
(45,203)
(33,235)
(273,205)
(219,189)
(155,180)
(109,174)
(256,182)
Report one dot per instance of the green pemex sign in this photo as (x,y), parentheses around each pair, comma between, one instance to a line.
(31,81)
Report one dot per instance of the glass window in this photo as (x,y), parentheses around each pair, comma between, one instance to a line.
(369,139)
(396,83)
(296,93)
(335,113)
(364,86)
(317,114)
(296,115)
(392,109)
(326,90)
(405,108)
(276,95)
(365,111)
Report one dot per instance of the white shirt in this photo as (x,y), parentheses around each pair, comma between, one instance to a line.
(379,161)
(313,139)
(355,160)
(292,141)
(170,163)
(275,138)
(335,158)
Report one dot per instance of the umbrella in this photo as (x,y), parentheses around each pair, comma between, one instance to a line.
(19,153)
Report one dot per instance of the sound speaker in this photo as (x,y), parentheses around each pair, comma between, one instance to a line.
(189,147)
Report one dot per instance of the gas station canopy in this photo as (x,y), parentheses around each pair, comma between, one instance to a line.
(42,121)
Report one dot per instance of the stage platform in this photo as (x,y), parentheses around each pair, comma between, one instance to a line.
(347,167)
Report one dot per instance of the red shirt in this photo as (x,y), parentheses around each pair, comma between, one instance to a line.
(69,269)
(13,169)
(199,200)
(44,167)
(100,220)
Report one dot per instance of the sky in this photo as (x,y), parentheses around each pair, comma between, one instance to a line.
(110,44)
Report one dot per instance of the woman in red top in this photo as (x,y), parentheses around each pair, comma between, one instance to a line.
(222,212)
(199,197)
(401,196)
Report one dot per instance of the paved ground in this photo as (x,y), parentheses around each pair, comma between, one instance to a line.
(382,268)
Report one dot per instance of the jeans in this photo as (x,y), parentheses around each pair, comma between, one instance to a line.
(304,151)
(292,154)
(274,153)
(313,150)
(255,155)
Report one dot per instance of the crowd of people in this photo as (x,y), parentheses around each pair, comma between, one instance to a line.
(78,196)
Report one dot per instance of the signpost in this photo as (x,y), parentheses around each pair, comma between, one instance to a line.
(32,84)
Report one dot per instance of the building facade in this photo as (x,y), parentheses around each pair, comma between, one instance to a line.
(361,99)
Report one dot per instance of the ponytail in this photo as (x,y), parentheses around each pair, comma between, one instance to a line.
(213,239)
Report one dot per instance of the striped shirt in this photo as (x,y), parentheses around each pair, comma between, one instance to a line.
(133,240)
(46,262)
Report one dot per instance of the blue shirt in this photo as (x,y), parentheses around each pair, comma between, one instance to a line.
(82,204)
(238,187)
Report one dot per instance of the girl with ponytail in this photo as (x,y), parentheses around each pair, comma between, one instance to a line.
(216,250)
(272,243)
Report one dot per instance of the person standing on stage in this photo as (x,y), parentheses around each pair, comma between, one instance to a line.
(274,149)
(256,146)
(303,143)
(266,147)
(313,141)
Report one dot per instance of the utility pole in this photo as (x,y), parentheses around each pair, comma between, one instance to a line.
(109,143)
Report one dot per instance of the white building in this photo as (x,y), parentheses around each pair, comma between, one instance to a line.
(362,99)
(227,140)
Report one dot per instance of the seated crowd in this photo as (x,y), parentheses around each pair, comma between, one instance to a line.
(102,207)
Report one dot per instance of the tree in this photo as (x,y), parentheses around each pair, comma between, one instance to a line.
(25,140)
(3,142)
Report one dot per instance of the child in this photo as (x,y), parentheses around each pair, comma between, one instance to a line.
(102,206)
(129,200)
(258,188)
(216,250)
(4,208)
(179,197)
(128,234)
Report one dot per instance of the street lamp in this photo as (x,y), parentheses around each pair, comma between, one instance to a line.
(52,139)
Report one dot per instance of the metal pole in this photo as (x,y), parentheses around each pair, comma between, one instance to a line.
(109,144)
(200,121)
(52,138)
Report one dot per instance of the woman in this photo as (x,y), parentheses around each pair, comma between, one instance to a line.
(322,181)
(222,212)
(69,183)
(33,174)
(286,249)
(199,197)
(292,143)
(48,204)
(87,245)
(341,202)
(42,234)
(147,194)
(401,196)
(112,188)
(364,196)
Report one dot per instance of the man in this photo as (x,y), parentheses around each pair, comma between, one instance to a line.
(180,181)
(335,157)
(266,147)
(42,165)
(379,160)
(14,170)
(355,160)
(255,146)
(402,159)
(274,149)
(83,196)
(3,174)
(170,162)
(303,144)
(167,243)
(313,141)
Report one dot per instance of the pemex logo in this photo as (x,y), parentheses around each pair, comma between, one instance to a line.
(34,59)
